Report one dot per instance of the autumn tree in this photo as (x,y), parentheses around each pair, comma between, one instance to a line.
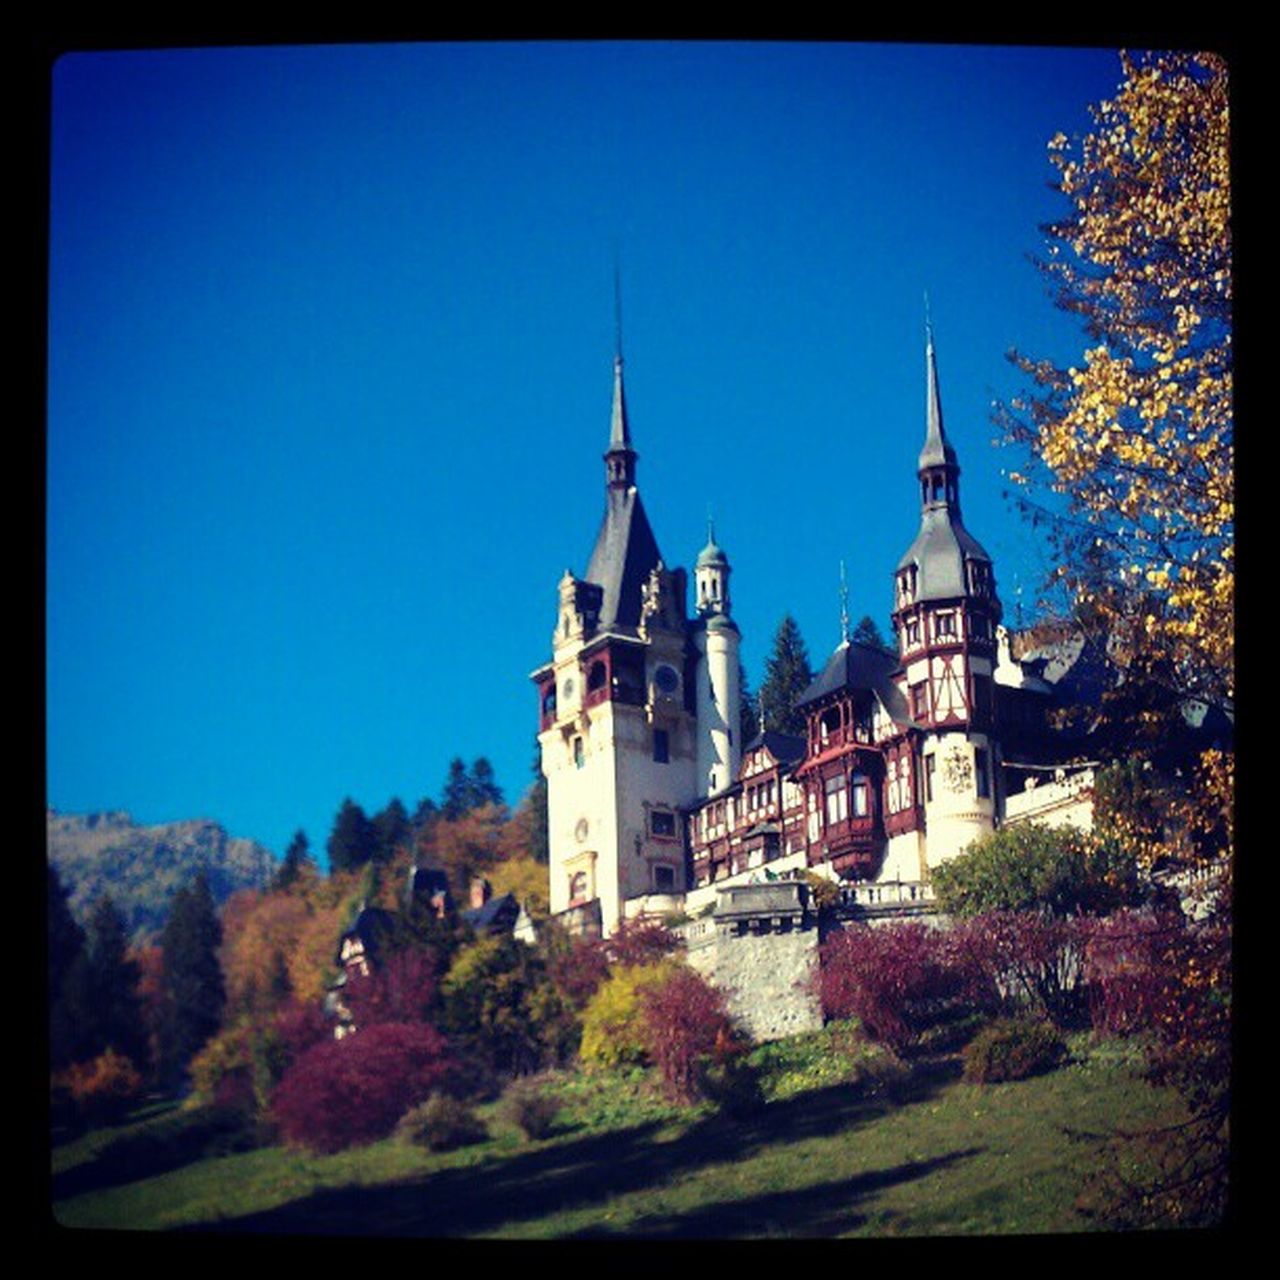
(1134,446)
(787,675)
(1136,438)
(66,944)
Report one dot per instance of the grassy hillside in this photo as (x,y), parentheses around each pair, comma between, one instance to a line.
(841,1149)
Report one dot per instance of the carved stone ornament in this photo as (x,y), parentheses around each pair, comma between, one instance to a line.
(957,771)
(580,831)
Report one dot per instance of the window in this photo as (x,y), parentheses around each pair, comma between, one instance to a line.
(980,769)
(946,624)
(662,823)
(579,755)
(661,746)
(664,879)
(919,700)
(549,702)
(596,676)
(858,786)
(913,631)
(837,799)
(829,726)
(578,887)
(929,763)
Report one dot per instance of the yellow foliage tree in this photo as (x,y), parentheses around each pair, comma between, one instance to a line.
(1137,441)
(1138,436)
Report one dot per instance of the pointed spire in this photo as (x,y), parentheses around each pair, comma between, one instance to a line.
(620,460)
(619,428)
(937,451)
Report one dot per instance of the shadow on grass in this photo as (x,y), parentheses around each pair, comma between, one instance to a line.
(816,1212)
(577,1173)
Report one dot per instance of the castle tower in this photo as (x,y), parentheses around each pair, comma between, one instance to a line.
(617,723)
(716,640)
(945,615)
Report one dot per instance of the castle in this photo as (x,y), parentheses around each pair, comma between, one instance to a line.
(654,804)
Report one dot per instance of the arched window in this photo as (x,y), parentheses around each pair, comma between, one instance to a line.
(578,887)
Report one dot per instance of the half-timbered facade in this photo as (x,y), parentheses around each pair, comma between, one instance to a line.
(653,804)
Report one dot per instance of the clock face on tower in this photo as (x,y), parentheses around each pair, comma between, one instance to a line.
(666,679)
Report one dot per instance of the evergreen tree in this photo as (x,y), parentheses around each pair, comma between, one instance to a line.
(787,675)
(116,1011)
(66,951)
(352,841)
(536,800)
(297,858)
(484,786)
(191,980)
(748,717)
(455,800)
(866,632)
(425,813)
(392,830)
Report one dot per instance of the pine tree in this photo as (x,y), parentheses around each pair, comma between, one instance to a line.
(351,843)
(66,958)
(392,830)
(455,799)
(748,717)
(116,1013)
(297,859)
(787,675)
(191,983)
(536,800)
(484,786)
(866,632)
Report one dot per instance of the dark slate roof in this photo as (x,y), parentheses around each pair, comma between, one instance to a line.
(426,882)
(372,926)
(940,551)
(784,747)
(496,914)
(860,666)
(626,552)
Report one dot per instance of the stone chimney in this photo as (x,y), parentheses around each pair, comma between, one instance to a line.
(481,891)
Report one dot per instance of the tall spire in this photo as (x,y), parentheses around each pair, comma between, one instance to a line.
(844,607)
(620,460)
(937,451)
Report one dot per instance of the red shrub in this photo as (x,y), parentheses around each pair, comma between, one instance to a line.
(683,1020)
(639,943)
(893,978)
(343,1093)
(1028,959)
(299,1025)
(1125,971)
(402,989)
(577,970)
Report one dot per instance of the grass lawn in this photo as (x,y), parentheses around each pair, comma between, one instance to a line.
(831,1154)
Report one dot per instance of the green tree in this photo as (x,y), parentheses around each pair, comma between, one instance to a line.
(748,715)
(456,798)
(192,989)
(296,861)
(1030,867)
(787,675)
(66,945)
(484,786)
(353,840)
(392,830)
(866,632)
(116,1009)
(535,801)
(499,999)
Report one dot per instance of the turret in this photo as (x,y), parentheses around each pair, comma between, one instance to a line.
(719,693)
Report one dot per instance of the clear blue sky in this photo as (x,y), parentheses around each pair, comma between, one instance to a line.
(330,351)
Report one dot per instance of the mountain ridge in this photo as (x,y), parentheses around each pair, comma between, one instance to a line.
(142,866)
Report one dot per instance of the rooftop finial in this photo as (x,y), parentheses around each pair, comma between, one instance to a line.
(844,607)
(617,304)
